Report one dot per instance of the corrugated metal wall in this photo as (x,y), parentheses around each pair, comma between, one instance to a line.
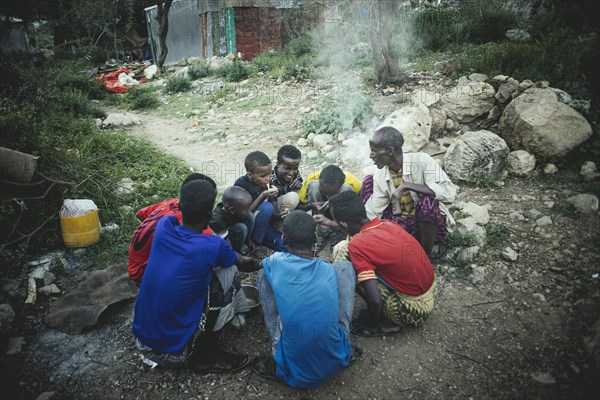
(184,38)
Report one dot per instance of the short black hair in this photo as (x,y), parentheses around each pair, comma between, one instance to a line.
(332,174)
(233,195)
(196,176)
(256,159)
(288,151)
(391,137)
(196,201)
(299,229)
(347,207)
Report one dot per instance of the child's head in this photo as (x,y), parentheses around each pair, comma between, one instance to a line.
(196,176)
(348,211)
(299,230)
(258,168)
(331,180)
(196,201)
(288,162)
(237,201)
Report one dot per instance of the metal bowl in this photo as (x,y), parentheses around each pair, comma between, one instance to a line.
(251,293)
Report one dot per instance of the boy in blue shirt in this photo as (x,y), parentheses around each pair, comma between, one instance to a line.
(170,322)
(256,181)
(307,305)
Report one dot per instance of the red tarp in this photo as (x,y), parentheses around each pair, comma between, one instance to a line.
(111,80)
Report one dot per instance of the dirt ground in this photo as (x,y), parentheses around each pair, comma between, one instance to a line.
(519,333)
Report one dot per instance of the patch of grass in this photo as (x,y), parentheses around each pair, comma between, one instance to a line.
(142,98)
(401,98)
(497,235)
(294,62)
(75,102)
(458,239)
(178,84)
(233,72)
(484,181)
(198,71)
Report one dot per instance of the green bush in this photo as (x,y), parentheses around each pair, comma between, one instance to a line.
(340,110)
(177,84)
(75,102)
(497,235)
(142,98)
(198,71)
(67,79)
(233,72)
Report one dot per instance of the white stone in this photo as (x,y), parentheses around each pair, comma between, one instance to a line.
(468,253)
(327,148)
(414,122)
(478,213)
(322,140)
(39,272)
(468,225)
(311,136)
(279,119)
(544,221)
(49,277)
(536,121)
(587,168)
(476,77)
(151,72)
(543,377)
(520,162)
(425,97)
(468,102)
(341,137)
(125,186)
(302,142)
(254,114)
(534,213)
(332,155)
(516,216)
(584,203)
(476,153)
(509,254)
(313,154)
(49,289)
(478,274)
(121,119)
(506,90)
(539,296)
(550,169)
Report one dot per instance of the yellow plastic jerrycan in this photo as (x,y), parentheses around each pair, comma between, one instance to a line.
(79,223)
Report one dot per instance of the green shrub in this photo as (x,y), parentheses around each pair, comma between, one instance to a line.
(75,102)
(340,110)
(142,98)
(177,84)
(68,79)
(458,239)
(497,235)
(233,72)
(198,71)
(299,46)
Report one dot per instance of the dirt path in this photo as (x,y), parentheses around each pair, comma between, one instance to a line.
(518,333)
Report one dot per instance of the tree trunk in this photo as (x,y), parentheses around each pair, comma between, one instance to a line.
(162,16)
(385,56)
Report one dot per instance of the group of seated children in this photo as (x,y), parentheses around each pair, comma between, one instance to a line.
(191,288)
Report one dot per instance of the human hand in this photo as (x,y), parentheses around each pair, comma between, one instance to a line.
(317,205)
(324,221)
(271,191)
(399,192)
(324,206)
(284,212)
(296,184)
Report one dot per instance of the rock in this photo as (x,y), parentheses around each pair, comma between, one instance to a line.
(50,289)
(509,254)
(520,162)
(543,377)
(468,102)
(449,124)
(414,122)
(126,209)
(550,169)
(47,396)
(311,136)
(279,119)
(124,187)
(584,203)
(506,90)
(425,97)
(534,213)
(341,137)
(479,213)
(567,99)
(537,122)
(313,154)
(39,272)
(477,274)
(475,154)
(528,197)
(151,72)
(109,227)
(468,253)
(494,115)
(254,114)
(182,72)
(499,79)
(544,221)
(476,77)
(31,291)
(121,119)
(302,142)
(468,225)
(322,140)
(438,121)
(516,216)
(542,84)
(49,277)
(587,168)
(524,85)
(327,148)
(539,296)
(332,155)
(14,345)
(98,122)
(517,35)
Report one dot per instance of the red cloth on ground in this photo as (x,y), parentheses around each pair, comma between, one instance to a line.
(385,248)
(139,249)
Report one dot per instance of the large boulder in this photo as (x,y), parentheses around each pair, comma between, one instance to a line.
(537,122)
(469,101)
(476,154)
(413,121)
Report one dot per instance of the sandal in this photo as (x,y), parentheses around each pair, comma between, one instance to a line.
(360,329)
(225,361)
(265,367)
